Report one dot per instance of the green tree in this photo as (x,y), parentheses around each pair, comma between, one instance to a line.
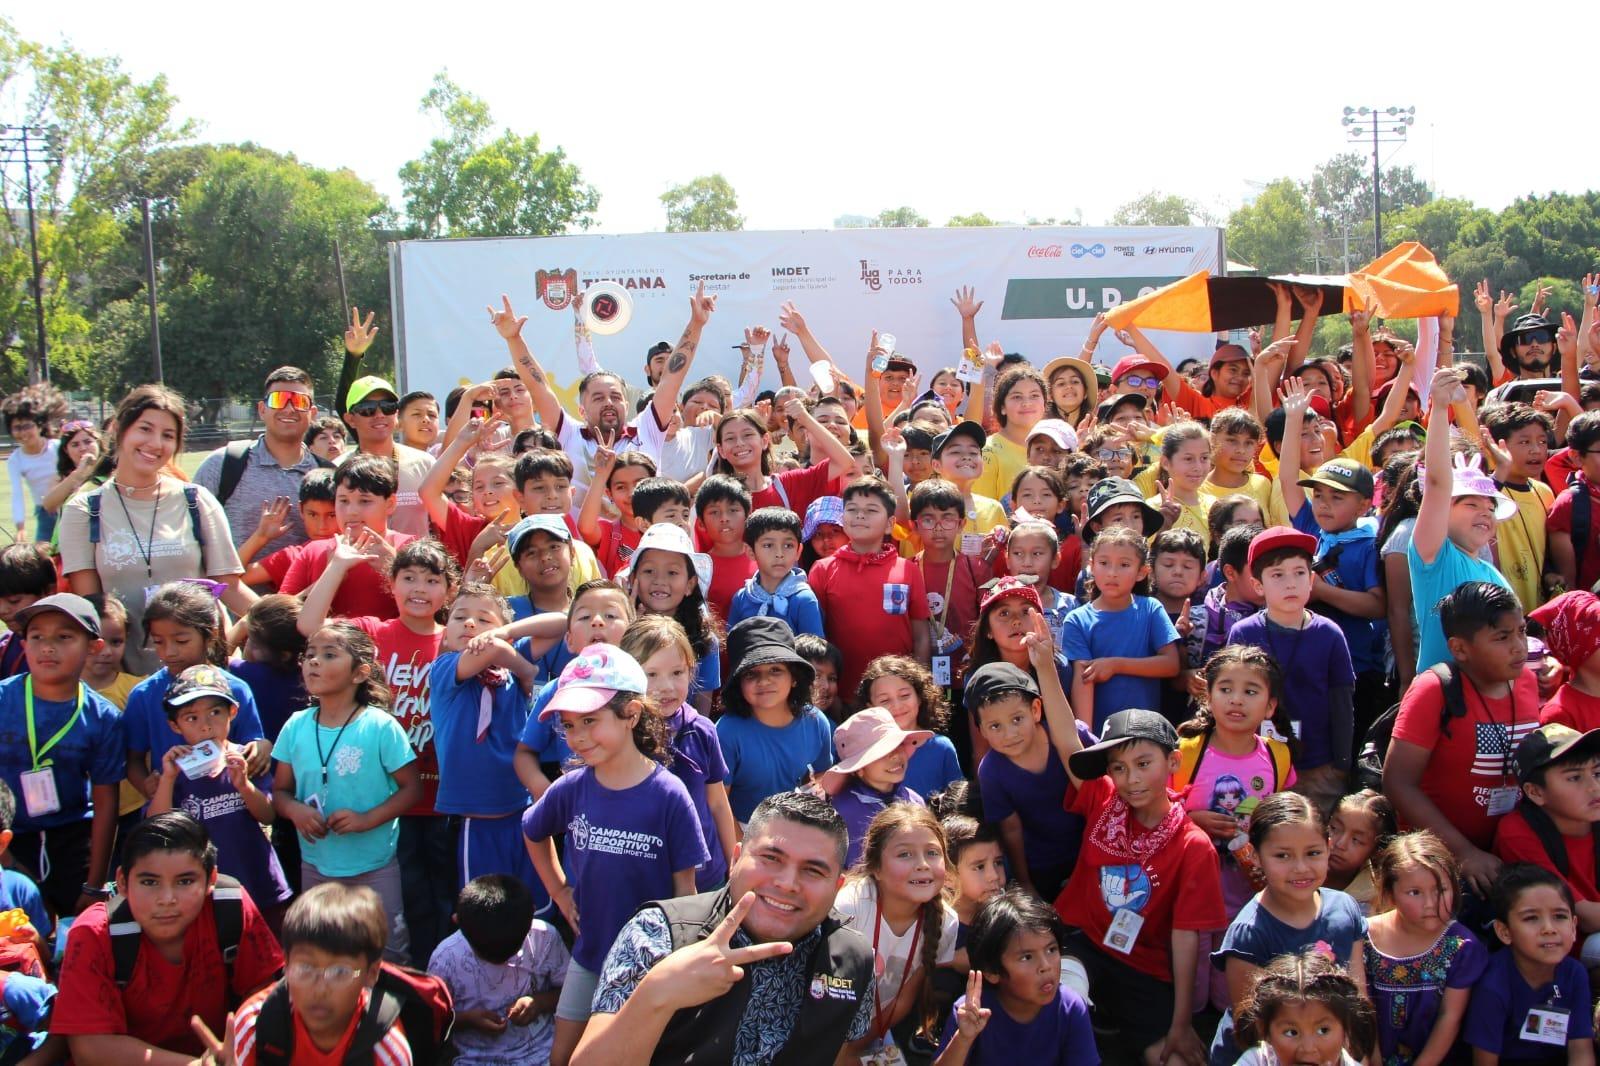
(975,219)
(1341,197)
(706,203)
(1156,209)
(1273,233)
(469,183)
(899,218)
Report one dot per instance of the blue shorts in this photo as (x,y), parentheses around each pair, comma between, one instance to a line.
(497,846)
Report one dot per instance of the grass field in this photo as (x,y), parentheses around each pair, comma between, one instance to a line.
(188,460)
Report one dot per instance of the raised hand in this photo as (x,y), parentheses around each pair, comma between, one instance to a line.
(1040,645)
(756,337)
(1550,401)
(604,460)
(1539,298)
(1096,327)
(1296,400)
(1168,413)
(352,548)
(966,302)
(1360,322)
(701,306)
(217,1052)
(1185,624)
(704,971)
(274,521)
(359,334)
(1503,308)
(795,410)
(1481,298)
(780,350)
(893,445)
(993,354)
(1448,385)
(1280,294)
(505,321)
(790,318)
(1310,299)
(1591,291)
(1567,337)
(971,1016)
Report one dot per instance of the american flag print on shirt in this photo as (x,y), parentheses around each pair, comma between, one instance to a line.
(1495,743)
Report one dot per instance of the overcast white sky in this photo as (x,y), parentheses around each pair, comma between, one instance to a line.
(819,108)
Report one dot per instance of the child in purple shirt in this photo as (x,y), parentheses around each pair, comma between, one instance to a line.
(871,772)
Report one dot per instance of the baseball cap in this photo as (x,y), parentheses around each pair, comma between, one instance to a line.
(1345,475)
(80,610)
(1000,588)
(361,388)
(869,735)
(1063,435)
(553,524)
(965,428)
(198,681)
(1279,537)
(1107,492)
(899,362)
(1122,728)
(1551,742)
(1130,363)
(593,679)
(1228,353)
(992,680)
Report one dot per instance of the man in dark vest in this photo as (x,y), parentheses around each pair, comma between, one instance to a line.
(759,972)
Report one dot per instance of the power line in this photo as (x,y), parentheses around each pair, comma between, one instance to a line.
(1386,125)
(30,145)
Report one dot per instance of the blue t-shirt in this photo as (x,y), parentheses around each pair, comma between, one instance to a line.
(546,742)
(801,609)
(1059,1035)
(1051,835)
(475,776)
(1355,569)
(623,846)
(1501,1000)
(933,767)
(708,674)
(278,694)
(25,1004)
(1315,661)
(551,663)
(1432,582)
(1138,631)
(360,775)
(763,760)
(18,890)
(697,761)
(243,850)
(149,730)
(93,752)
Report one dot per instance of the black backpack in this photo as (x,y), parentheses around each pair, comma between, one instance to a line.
(1550,837)
(227,909)
(235,457)
(419,1001)
(1375,745)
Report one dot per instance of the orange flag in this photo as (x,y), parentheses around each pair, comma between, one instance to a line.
(1404,282)
(1184,305)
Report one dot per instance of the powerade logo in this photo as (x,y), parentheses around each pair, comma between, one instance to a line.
(1096,249)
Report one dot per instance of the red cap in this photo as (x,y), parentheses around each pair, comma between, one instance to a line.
(1009,586)
(1129,363)
(1321,406)
(1279,537)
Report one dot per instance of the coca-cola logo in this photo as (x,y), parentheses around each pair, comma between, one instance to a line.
(1044,251)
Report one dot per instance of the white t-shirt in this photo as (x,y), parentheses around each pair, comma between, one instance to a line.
(680,458)
(409,514)
(857,903)
(39,471)
(581,447)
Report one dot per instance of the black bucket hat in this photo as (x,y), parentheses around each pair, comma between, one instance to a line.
(762,640)
(1524,325)
(1110,491)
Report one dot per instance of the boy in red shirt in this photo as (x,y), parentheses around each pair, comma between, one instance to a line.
(1146,881)
(721,507)
(363,499)
(873,601)
(316,512)
(614,539)
(167,881)
(1571,624)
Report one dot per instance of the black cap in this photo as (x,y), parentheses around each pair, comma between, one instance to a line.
(198,681)
(1120,728)
(1109,491)
(1552,742)
(993,680)
(965,428)
(80,610)
(761,640)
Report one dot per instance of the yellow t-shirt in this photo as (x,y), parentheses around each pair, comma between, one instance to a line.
(1002,462)
(1259,489)
(129,799)
(1520,541)
(1196,516)
(986,514)
(585,567)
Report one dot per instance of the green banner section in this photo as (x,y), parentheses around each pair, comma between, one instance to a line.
(1073,297)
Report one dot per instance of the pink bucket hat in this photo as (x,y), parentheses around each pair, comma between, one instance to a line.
(869,735)
(593,679)
(1468,479)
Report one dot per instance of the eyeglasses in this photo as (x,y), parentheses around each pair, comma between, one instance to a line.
(929,521)
(1109,454)
(1140,381)
(368,408)
(278,399)
(303,973)
(1537,336)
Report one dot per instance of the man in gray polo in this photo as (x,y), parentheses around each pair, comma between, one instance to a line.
(273,466)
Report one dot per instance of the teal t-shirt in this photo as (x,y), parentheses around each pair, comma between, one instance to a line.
(361,765)
(1432,582)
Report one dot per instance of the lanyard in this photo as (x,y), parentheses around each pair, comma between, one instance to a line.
(146,547)
(316,733)
(1506,768)
(878,1027)
(39,753)
(949,583)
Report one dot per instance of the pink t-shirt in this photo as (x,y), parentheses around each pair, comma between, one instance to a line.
(1234,784)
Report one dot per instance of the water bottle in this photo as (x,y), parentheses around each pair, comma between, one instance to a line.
(886,342)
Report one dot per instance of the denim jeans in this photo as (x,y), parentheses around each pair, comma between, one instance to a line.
(427,855)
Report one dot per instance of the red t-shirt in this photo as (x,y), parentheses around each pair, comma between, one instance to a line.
(1476,757)
(795,489)
(1560,521)
(277,564)
(1561,465)
(728,575)
(868,606)
(161,997)
(616,547)
(407,659)
(1104,882)
(962,609)
(392,1050)
(461,527)
(1572,707)
(364,590)
(1514,841)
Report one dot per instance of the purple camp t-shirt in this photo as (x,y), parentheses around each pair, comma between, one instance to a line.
(1050,835)
(623,846)
(243,851)
(1315,660)
(858,804)
(697,761)
(1059,1034)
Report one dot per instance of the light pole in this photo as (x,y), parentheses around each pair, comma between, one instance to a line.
(32,144)
(1386,125)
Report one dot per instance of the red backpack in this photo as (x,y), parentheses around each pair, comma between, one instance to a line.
(419,1001)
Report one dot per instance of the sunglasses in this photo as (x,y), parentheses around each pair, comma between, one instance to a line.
(368,408)
(278,399)
(1537,336)
(1140,381)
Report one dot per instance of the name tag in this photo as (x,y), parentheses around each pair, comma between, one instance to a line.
(39,796)
(1501,800)
(971,543)
(1546,1025)
(941,669)
(1123,932)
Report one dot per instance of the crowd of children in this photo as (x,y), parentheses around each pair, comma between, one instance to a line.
(1251,722)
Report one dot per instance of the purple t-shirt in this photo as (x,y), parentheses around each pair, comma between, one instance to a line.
(1498,1012)
(243,850)
(697,760)
(1058,1035)
(278,694)
(623,846)
(1315,660)
(1050,834)
(858,804)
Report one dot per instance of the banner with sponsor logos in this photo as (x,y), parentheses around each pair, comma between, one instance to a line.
(1040,287)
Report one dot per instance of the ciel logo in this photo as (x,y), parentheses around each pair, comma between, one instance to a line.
(1097,250)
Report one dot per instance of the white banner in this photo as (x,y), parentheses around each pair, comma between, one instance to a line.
(1040,287)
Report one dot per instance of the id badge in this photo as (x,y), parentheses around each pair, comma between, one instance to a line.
(941,670)
(1546,1025)
(971,543)
(39,794)
(1502,800)
(1123,932)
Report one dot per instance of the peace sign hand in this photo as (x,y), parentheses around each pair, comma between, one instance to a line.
(358,335)
(970,1016)
(1171,509)
(701,306)
(701,972)
(1040,645)
(217,1052)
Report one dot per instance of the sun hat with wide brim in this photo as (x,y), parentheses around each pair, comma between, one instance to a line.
(1091,384)
(761,640)
(664,536)
(870,735)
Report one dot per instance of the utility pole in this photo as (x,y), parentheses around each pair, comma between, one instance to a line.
(1386,126)
(150,292)
(30,145)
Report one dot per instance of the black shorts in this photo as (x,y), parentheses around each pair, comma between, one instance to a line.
(1134,1002)
(58,861)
